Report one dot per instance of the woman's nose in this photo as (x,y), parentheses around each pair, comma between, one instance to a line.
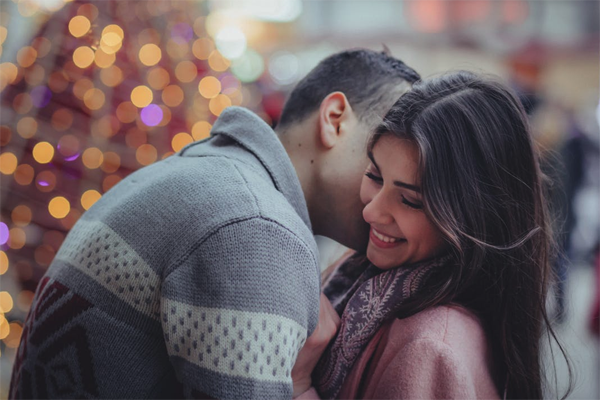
(377,212)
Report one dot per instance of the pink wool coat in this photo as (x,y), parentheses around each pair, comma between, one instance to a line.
(439,353)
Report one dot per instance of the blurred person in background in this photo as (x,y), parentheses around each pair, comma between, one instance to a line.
(198,275)
(450,299)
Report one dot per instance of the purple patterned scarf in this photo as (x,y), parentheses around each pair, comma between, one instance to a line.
(375,297)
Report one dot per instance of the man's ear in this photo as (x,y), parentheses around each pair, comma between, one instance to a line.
(334,111)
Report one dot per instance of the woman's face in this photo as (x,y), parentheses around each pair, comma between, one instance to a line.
(400,231)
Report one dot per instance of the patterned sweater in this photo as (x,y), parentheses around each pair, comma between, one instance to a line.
(195,275)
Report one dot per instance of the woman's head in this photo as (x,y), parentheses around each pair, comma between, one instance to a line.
(464,142)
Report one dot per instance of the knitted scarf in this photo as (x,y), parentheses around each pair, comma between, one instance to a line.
(375,297)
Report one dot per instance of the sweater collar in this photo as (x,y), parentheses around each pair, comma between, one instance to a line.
(251,132)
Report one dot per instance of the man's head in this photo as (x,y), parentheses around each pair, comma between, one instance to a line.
(324,127)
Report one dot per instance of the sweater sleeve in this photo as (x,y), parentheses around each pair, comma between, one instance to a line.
(238,309)
(425,369)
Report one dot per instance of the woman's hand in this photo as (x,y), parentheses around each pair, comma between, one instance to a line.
(315,345)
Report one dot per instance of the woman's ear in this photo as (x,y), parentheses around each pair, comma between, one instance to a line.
(333,112)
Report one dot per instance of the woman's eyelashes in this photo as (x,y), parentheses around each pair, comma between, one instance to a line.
(373,177)
(412,205)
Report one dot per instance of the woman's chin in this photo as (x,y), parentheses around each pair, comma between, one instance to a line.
(379,260)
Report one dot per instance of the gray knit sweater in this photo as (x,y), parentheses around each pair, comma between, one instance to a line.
(197,274)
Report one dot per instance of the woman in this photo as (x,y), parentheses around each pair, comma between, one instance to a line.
(451,301)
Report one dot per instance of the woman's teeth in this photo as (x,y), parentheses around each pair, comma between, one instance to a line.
(384,238)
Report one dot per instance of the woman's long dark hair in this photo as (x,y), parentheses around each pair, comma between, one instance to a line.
(482,187)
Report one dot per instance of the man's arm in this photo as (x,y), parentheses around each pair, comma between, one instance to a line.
(238,308)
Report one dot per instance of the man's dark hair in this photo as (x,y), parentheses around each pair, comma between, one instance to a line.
(372,81)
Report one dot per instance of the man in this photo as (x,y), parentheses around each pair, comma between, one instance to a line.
(198,275)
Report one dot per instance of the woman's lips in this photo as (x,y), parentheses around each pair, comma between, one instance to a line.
(379,240)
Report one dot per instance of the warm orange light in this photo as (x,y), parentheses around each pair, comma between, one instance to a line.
(104,60)
(59,207)
(21,215)
(6,302)
(79,26)
(109,182)
(14,336)
(43,152)
(112,162)
(141,96)
(150,54)
(4,327)
(26,56)
(81,86)
(158,78)
(27,127)
(16,238)
(89,198)
(201,130)
(24,174)
(146,154)
(428,16)
(186,71)
(3,262)
(111,76)
(172,95)
(92,158)
(181,140)
(202,48)
(68,145)
(209,87)
(22,103)
(45,181)
(217,62)
(34,75)
(218,104)
(8,163)
(62,119)
(111,42)
(94,99)
(126,112)
(83,56)
(116,29)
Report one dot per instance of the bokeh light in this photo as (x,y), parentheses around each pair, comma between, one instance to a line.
(181,140)
(8,163)
(16,238)
(6,302)
(141,96)
(231,42)
(24,174)
(27,127)
(158,78)
(209,87)
(94,99)
(45,181)
(218,104)
(89,197)
(150,54)
(186,71)
(3,261)
(201,130)
(83,56)
(126,112)
(59,207)
(146,154)
(151,115)
(79,26)
(4,233)
(43,152)
(172,96)
(21,215)
(92,158)
(111,76)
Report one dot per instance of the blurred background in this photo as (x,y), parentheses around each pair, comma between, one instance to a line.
(93,90)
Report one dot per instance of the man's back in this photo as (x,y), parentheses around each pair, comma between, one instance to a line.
(198,269)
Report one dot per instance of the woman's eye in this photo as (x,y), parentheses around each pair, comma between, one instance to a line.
(416,206)
(374,177)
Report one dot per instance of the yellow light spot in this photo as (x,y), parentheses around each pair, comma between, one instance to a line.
(218,104)
(202,48)
(217,62)
(21,215)
(116,29)
(166,116)
(8,73)
(79,26)
(14,336)
(26,56)
(150,54)
(112,162)
(83,56)
(24,174)
(172,95)
(27,127)
(141,96)
(92,158)
(81,86)
(90,11)
(3,262)
(43,152)
(89,198)
(111,76)
(181,140)
(16,238)
(59,207)
(8,163)
(104,60)
(94,99)
(146,154)
(6,302)
(126,112)
(186,71)
(201,130)
(158,78)
(111,42)
(209,87)
(4,327)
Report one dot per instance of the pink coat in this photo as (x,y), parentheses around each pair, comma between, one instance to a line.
(439,353)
